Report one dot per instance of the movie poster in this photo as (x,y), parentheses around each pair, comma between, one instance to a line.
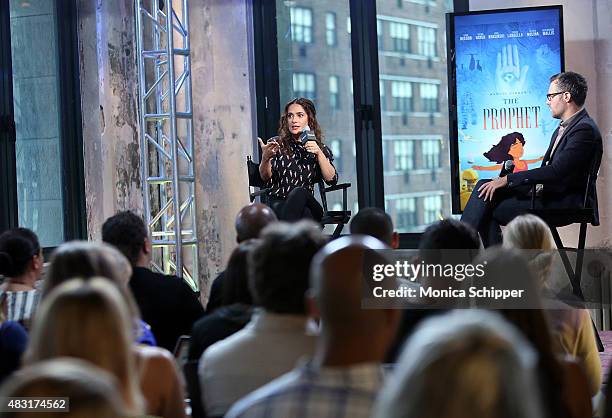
(502,66)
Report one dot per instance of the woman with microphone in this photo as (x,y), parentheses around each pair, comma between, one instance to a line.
(294,161)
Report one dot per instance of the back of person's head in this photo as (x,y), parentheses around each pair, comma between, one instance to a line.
(279,265)
(251,220)
(18,247)
(236,277)
(463,364)
(86,260)
(449,234)
(91,392)
(336,283)
(375,223)
(573,83)
(127,232)
(528,232)
(88,320)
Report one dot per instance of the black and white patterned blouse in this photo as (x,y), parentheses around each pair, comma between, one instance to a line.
(294,167)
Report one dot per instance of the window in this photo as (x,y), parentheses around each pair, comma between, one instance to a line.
(401,91)
(383,100)
(336,148)
(427,41)
(304,85)
(380,34)
(431,153)
(405,213)
(330,28)
(429,98)
(301,24)
(403,151)
(334,95)
(41,175)
(432,209)
(400,34)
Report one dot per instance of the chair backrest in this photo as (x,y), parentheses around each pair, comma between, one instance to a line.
(255,179)
(592,177)
(323,195)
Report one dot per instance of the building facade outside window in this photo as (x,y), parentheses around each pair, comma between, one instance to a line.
(432,209)
(330,28)
(301,24)
(429,98)
(401,91)
(334,93)
(427,41)
(400,34)
(405,213)
(304,85)
(430,150)
(403,151)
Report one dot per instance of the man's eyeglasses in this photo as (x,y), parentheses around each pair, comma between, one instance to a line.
(551,95)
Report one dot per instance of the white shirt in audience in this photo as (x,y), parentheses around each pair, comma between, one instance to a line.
(267,347)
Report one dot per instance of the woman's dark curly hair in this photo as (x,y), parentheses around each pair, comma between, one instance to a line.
(500,152)
(284,136)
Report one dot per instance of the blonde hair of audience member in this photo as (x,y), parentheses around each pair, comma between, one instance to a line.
(463,364)
(85,260)
(160,382)
(528,232)
(349,334)
(91,391)
(88,320)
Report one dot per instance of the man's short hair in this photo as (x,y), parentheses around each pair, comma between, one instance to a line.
(573,83)
(127,232)
(279,265)
(449,234)
(373,222)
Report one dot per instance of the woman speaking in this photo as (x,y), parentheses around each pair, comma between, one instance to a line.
(291,165)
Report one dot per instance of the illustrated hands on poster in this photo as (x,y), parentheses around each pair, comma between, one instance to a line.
(509,76)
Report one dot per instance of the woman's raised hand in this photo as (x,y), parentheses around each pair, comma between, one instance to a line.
(268,150)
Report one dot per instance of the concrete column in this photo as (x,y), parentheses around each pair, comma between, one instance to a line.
(224,114)
(107,61)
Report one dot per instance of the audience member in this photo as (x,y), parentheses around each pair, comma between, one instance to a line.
(447,234)
(166,303)
(463,364)
(571,328)
(91,392)
(562,383)
(375,223)
(249,222)
(345,374)
(13,341)
(232,316)
(276,337)
(85,260)
(159,379)
(21,263)
(88,320)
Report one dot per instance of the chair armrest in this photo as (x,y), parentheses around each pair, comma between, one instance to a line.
(340,186)
(260,192)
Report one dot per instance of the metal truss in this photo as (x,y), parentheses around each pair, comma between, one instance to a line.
(166,135)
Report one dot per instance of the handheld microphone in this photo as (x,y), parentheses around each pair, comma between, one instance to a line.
(507,168)
(307,135)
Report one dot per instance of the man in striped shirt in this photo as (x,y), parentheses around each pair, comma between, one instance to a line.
(345,374)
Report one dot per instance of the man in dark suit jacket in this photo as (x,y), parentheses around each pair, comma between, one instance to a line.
(166,303)
(574,153)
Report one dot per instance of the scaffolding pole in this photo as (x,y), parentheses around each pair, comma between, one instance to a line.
(166,135)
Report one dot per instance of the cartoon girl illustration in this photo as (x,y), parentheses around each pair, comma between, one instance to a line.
(510,147)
